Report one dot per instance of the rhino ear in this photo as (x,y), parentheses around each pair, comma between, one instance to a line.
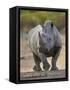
(43,26)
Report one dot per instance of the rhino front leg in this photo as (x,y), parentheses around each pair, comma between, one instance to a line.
(55,58)
(46,65)
(37,63)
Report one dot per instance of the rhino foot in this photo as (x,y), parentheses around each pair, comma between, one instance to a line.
(54,68)
(46,66)
(37,69)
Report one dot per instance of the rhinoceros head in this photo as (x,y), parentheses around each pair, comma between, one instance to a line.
(46,39)
(48,25)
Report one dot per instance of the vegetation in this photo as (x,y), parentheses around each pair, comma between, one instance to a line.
(31,18)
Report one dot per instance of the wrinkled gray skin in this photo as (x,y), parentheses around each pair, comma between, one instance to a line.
(45,41)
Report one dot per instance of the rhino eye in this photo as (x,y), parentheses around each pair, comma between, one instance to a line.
(43,35)
(49,39)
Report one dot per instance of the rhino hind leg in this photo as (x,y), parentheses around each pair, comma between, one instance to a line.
(37,63)
(55,58)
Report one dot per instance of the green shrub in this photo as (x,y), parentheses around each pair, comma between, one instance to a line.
(29,19)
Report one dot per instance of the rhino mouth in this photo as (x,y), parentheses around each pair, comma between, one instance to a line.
(50,52)
(43,50)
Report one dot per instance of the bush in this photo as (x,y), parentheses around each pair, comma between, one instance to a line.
(29,19)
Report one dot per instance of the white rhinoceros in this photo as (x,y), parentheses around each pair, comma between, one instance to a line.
(45,41)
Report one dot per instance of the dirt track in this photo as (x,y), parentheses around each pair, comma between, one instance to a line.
(43,75)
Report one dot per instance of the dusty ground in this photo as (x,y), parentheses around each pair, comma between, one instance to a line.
(43,75)
(27,61)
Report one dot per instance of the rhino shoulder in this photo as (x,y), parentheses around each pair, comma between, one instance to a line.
(37,28)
